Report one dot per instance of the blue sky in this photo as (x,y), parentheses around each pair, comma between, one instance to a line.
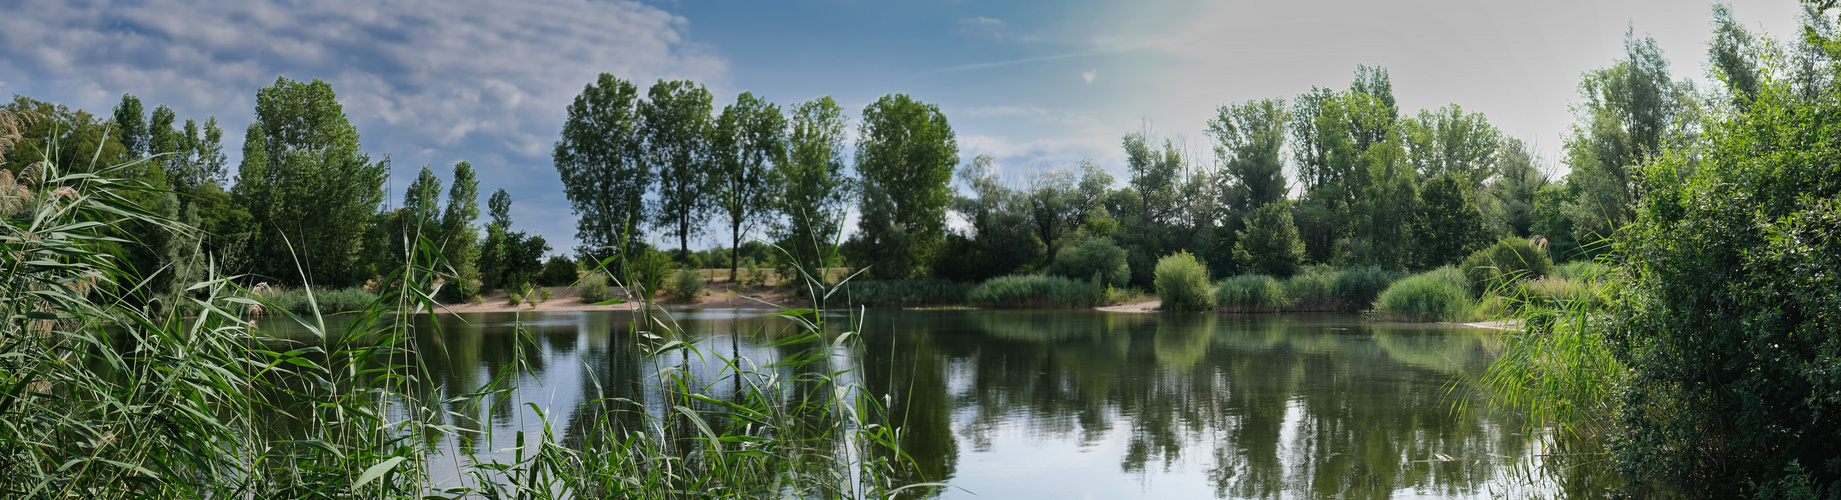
(1038,85)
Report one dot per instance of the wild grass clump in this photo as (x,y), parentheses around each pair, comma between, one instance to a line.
(1036,291)
(1250,293)
(1182,283)
(902,293)
(1312,291)
(686,286)
(1582,271)
(1441,294)
(1497,268)
(593,288)
(1557,293)
(1358,287)
(329,301)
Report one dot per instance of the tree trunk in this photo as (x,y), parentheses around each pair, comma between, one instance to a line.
(735,244)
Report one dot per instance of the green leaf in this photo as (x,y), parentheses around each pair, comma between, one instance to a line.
(376,471)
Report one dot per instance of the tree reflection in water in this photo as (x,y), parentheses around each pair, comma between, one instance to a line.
(1250,406)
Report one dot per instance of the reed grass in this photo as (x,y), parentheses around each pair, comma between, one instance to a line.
(104,399)
(1250,293)
(1441,294)
(1037,292)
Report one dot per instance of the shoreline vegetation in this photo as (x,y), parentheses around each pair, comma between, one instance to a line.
(1669,307)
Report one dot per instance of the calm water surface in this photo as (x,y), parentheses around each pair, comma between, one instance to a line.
(1073,404)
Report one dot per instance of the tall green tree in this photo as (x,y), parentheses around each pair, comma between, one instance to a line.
(508,259)
(131,122)
(677,129)
(1448,140)
(1448,226)
(459,239)
(750,141)
(906,153)
(603,175)
(1508,200)
(999,239)
(814,188)
(1736,55)
(1632,111)
(1249,143)
(1269,245)
(311,193)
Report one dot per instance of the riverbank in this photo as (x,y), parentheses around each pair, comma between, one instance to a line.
(564,298)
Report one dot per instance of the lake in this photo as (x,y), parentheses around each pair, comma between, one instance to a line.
(1068,404)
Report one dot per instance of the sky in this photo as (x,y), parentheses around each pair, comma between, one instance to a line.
(1038,85)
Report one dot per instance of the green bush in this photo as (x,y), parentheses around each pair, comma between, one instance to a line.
(1441,294)
(1036,291)
(1094,257)
(558,271)
(1270,244)
(330,300)
(1182,283)
(898,293)
(1502,264)
(1250,293)
(1312,291)
(686,286)
(1356,288)
(545,294)
(516,299)
(593,288)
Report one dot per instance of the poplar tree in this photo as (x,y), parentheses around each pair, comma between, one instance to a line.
(750,139)
(814,188)
(676,128)
(906,154)
(603,176)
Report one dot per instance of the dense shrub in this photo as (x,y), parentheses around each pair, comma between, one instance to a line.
(1441,294)
(1036,291)
(594,288)
(1730,322)
(558,271)
(1447,225)
(330,301)
(1500,265)
(1356,288)
(1311,291)
(1270,244)
(1182,283)
(686,285)
(515,298)
(1250,293)
(898,293)
(1094,257)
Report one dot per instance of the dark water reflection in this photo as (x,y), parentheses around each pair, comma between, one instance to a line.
(1068,404)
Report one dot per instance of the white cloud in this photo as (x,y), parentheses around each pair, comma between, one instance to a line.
(461,79)
(1088,75)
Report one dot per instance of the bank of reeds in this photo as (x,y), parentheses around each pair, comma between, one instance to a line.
(323,300)
(1317,289)
(1250,293)
(1037,292)
(919,292)
(100,398)
(1441,294)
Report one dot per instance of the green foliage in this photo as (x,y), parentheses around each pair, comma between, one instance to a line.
(1036,292)
(1727,314)
(813,187)
(310,193)
(594,288)
(1358,287)
(1441,294)
(1269,244)
(1313,291)
(1251,293)
(1582,270)
(1249,138)
(1095,258)
(675,125)
(906,152)
(686,286)
(515,299)
(1508,201)
(1448,226)
(1497,267)
(1183,284)
(545,295)
(603,174)
(328,300)
(899,293)
(1450,141)
(559,270)
(1000,240)
(750,137)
